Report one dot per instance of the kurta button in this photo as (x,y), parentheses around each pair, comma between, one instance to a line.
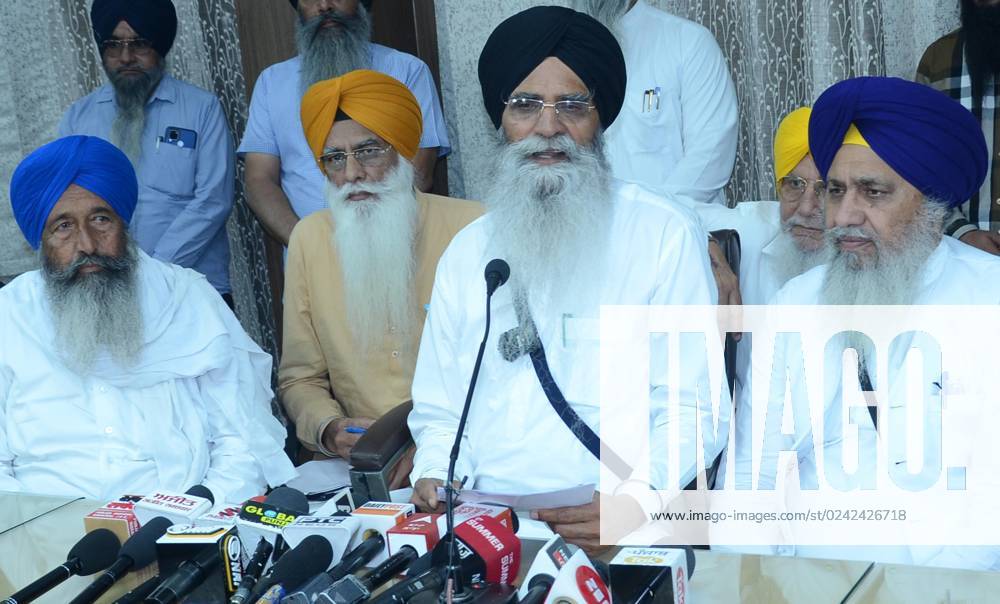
(395,354)
(108,429)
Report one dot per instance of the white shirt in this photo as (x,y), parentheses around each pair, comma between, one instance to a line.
(955,273)
(514,442)
(681,138)
(194,410)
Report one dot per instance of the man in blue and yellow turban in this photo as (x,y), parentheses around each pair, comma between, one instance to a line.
(121,373)
(358,276)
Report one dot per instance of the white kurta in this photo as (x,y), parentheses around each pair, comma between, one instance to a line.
(681,138)
(955,273)
(514,441)
(194,410)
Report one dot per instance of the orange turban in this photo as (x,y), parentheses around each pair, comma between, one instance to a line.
(376,101)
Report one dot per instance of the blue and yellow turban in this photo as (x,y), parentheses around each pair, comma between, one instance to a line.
(86,161)
(932,141)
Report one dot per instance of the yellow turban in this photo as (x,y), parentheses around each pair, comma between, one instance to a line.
(791,141)
(376,101)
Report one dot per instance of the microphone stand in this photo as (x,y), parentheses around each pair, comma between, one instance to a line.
(497,272)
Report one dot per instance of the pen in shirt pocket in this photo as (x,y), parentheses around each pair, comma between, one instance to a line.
(355,430)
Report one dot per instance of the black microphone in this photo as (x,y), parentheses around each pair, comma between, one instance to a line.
(137,595)
(352,590)
(94,551)
(187,577)
(496,274)
(538,589)
(430,580)
(138,552)
(305,560)
(200,490)
(352,562)
(252,572)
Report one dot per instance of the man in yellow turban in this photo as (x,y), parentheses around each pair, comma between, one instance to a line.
(358,276)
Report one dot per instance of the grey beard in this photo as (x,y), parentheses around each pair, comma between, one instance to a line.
(792,261)
(892,276)
(551,223)
(96,312)
(332,52)
(608,12)
(374,242)
(131,95)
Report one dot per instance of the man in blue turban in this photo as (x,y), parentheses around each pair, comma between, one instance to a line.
(175,134)
(120,373)
(895,156)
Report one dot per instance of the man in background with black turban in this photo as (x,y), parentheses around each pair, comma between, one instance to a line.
(333,37)
(552,80)
(175,135)
(965,65)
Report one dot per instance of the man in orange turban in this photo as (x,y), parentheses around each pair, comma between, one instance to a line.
(358,276)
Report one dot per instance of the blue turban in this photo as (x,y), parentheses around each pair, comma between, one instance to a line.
(930,140)
(155,20)
(86,161)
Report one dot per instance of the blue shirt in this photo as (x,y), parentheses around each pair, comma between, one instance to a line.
(274,126)
(185,193)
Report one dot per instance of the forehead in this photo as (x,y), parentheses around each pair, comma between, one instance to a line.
(857,161)
(551,79)
(77,201)
(347,134)
(124,31)
(806,168)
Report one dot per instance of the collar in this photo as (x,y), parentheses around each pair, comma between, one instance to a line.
(166,90)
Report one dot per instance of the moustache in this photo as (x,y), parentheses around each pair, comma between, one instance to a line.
(534,144)
(836,234)
(111,264)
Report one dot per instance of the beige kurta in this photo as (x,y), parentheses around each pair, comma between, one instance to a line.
(323,376)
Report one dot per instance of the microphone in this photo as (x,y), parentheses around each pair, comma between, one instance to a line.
(486,551)
(431,579)
(352,590)
(137,595)
(352,562)
(647,575)
(538,589)
(496,274)
(307,559)
(266,519)
(252,572)
(179,508)
(198,563)
(138,552)
(94,551)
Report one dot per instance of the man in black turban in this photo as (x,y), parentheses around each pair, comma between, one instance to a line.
(175,135)
(575,239)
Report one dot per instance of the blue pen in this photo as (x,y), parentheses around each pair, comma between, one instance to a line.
(355,430)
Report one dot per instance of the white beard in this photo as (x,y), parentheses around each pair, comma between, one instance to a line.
(892,276)
(792,260)
(374,240)
(96,312)
(551,223)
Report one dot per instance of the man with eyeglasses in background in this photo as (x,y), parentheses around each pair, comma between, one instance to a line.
(175,135)
(553,80)
(359,275)
(333,37)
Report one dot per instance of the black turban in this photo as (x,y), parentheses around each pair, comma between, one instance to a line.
(518,45)
(155,20)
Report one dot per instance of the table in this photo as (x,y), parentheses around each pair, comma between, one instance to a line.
(18,509)
(39,544)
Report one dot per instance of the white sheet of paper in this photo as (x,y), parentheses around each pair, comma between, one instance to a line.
(579,495)
(322,475)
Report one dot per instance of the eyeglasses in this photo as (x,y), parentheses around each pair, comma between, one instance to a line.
(115,47)
(792,188)
(524,109)
(368,157)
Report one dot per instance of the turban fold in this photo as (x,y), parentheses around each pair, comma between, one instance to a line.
(518,45)
(376,101)
(86,161)
(930,140)
(155,20)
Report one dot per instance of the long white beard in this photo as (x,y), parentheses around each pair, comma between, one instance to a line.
(892,276)
(551,223)
(374,240)
(792,260)
(96,312)
(331,52)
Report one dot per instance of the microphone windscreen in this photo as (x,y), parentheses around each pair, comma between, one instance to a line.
(290,499)
(141,547)
(96,551)
(498,267)
(304,561)
(200,490)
